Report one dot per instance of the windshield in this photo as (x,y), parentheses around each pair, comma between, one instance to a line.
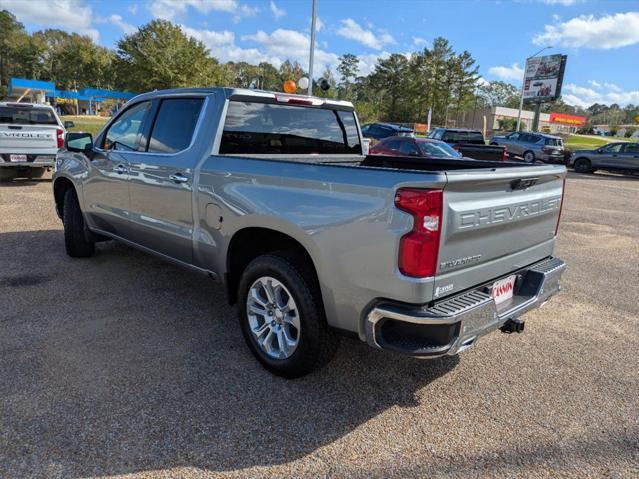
(264,128)
(437,148)
(27,116)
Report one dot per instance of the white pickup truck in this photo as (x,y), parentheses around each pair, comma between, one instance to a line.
(30,137)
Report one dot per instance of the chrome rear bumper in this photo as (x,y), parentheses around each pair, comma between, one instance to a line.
(454,324)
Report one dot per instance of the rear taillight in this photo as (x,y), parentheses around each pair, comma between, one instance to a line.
(504,154)
(60,137)
(457,148)
(418,249)
(561,206)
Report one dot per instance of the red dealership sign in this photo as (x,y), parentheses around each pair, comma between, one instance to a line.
(565,119)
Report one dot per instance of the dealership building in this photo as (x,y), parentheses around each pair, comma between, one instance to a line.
(87,101)
(548,122)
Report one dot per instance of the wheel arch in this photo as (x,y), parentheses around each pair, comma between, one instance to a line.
(250,242)
(61,185)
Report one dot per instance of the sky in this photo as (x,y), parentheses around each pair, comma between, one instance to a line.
(600,37)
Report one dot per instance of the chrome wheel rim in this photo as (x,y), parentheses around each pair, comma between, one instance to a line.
(273,317)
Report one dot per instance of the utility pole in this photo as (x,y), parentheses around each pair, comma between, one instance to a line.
(523,83)
(312,53)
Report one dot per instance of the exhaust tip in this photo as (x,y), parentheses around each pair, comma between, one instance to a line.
(513,326)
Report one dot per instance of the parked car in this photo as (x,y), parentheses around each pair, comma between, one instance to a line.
(420,147)
(621,157)
(469,143)
(532,146)
(377,131)
(30,136)
(271,195)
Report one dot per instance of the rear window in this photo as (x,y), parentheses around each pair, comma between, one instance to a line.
(27,116)
(553,142)
(174,124)
(438,149)
(263,128)
(455,136)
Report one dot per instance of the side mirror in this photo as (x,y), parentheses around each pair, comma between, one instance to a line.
(68,124)
(79,142)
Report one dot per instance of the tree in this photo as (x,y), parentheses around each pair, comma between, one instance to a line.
(348,68)
(388,80)
(499,93)
(159,55)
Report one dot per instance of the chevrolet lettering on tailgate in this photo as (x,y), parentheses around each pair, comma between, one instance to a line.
(505,214)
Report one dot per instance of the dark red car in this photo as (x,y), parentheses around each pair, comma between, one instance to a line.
(407,146)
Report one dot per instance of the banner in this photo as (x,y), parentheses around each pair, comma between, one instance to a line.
(543,78)
(565,119)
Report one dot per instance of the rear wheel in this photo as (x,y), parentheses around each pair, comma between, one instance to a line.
(281,315)
(529,156)
(7,174)
(583,165)
(75,240)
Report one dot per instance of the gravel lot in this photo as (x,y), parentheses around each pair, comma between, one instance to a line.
(124,366)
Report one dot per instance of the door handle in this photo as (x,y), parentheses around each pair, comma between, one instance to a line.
(178,178)
(120,169)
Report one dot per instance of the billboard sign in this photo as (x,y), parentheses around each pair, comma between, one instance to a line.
(565,119)
(543,78)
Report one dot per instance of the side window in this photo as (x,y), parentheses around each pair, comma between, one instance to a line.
(174,124)
(514,136)
(526,138)
(614,148)
(365,129)
(632,148)
(392,145)
(408,148)
(123,133)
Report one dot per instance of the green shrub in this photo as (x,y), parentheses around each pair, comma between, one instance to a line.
(629,132)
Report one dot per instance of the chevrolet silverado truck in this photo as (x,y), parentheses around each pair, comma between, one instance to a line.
(271,195)
(30,137)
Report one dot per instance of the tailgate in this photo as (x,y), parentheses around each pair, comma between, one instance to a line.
(28,138)
(496,221)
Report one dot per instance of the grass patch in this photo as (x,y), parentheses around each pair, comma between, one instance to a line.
(90,124)
(575,142)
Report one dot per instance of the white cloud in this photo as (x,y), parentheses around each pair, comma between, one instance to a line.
(175,9)
(354,31)
(119,22)
(222,46)
(276,11)
(584,97)
(595,83)
(367,62)
(70,15)
(612,86)
(610,31)
(565,3)
(420,42)
(319,24)
(133,8)
(513,72)
(294,45)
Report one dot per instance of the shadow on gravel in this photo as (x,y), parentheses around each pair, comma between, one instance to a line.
(121,363)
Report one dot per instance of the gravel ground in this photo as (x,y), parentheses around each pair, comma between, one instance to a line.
(124,366)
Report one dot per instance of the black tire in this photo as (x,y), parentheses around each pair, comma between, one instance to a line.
(317,342)
(7,175)
(582,165)
(529,156)
(75,240)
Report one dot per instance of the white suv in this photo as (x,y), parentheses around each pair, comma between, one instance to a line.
(30,137)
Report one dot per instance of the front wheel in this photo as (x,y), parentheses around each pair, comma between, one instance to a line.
(582,165)
(529,157)
(282,317)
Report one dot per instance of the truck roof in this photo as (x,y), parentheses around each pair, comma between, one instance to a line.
(240,92)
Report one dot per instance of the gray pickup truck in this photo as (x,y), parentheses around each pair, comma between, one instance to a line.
(271,195)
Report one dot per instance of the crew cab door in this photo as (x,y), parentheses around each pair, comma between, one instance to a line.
(631,156)
(106,189)
(161,178)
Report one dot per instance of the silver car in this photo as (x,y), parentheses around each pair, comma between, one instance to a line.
(532,146)
(620,157)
